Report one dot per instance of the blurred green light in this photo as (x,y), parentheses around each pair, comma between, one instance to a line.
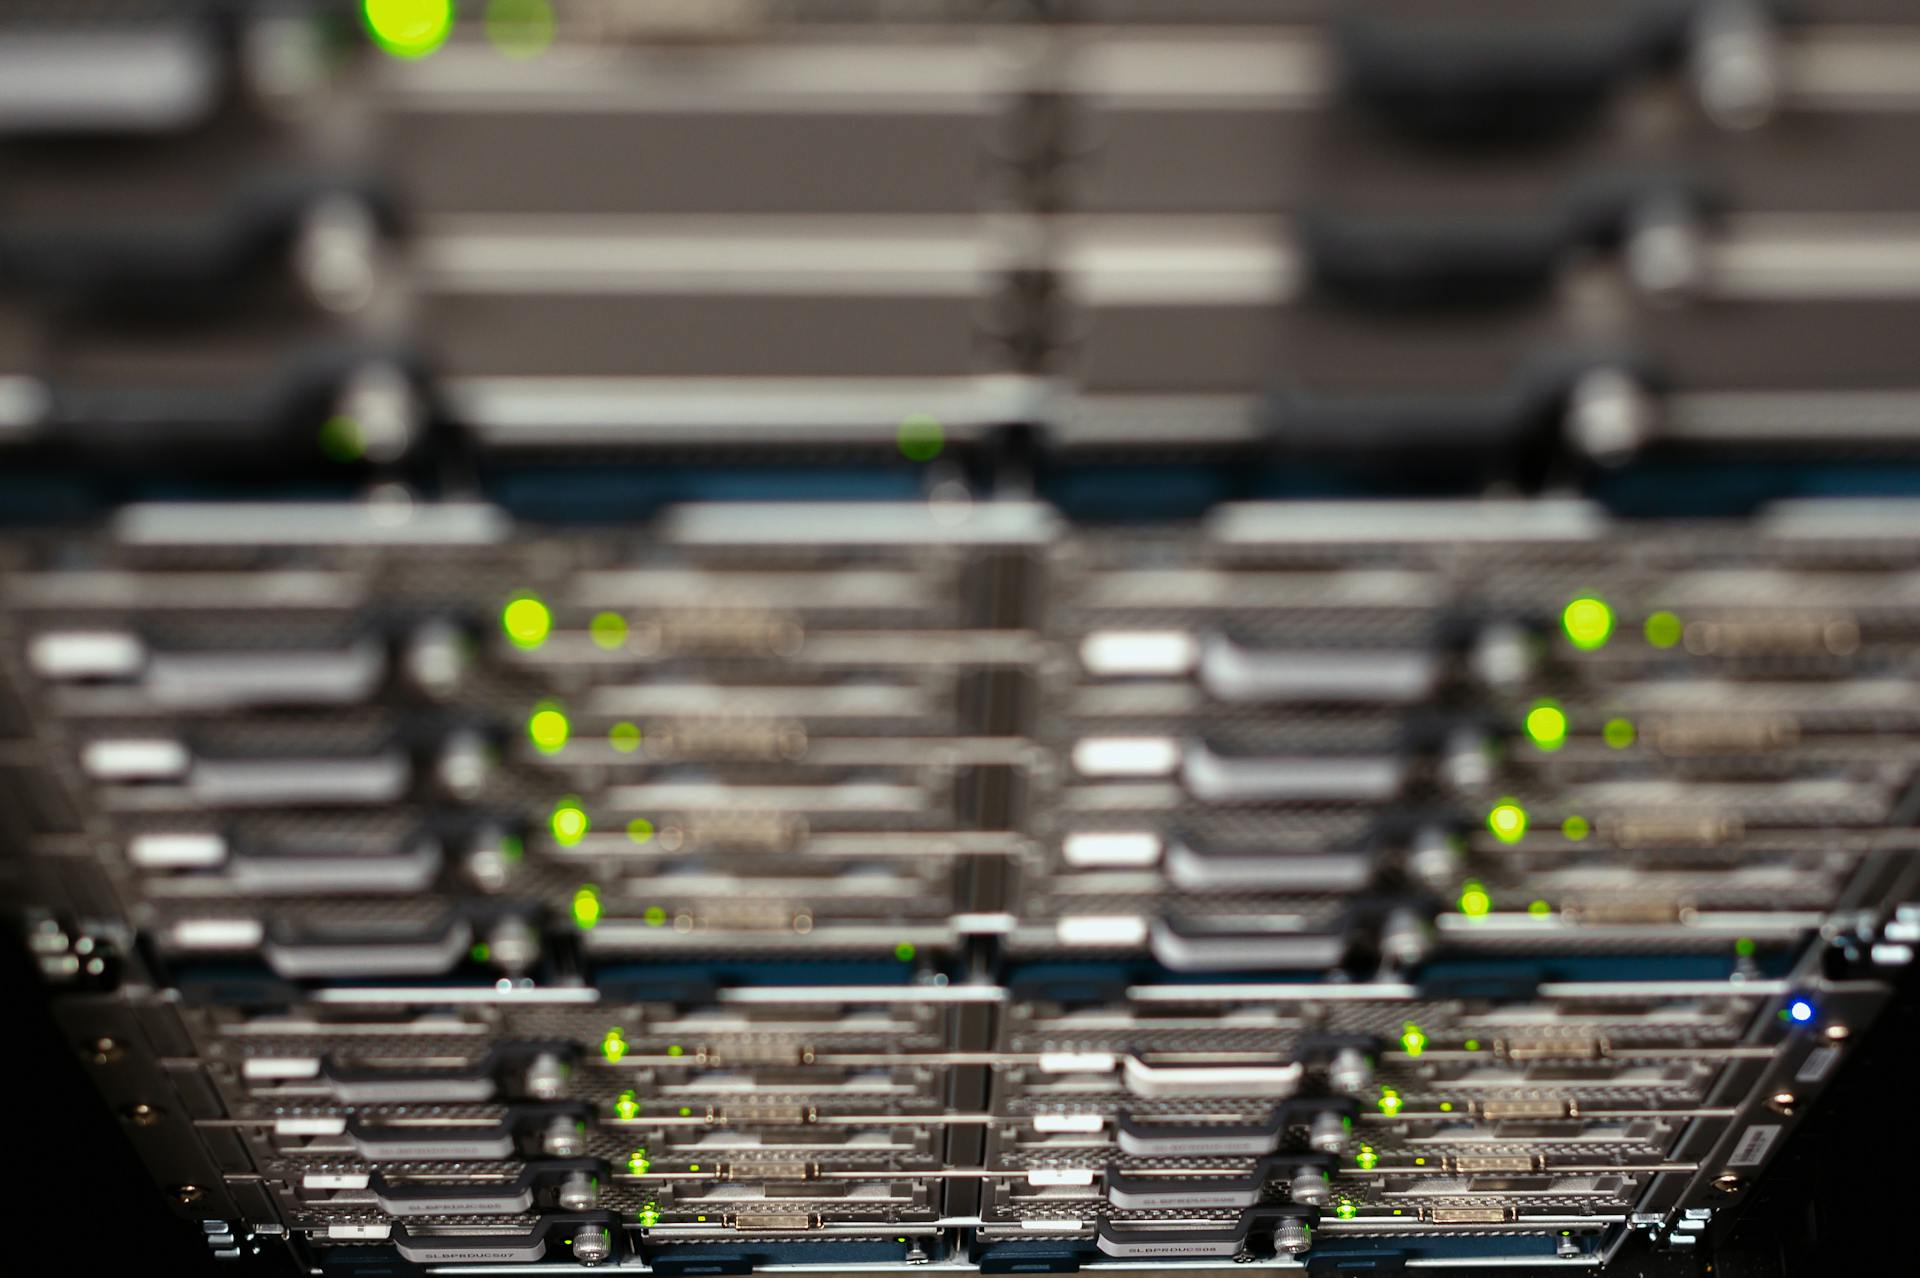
(1345,1209)
(526,621)
(1474,901)
(569,822)
(341,439)
(548,727)
(648,1216)
(1508,821)
(1366,1159)
(1390,1101)
(520,28)
(614,1045)
(480,951)
(1588,622)
(905,951)
(408,28)
(1744,946)
(640,830)
(1663,630)
(1618,733)
(1576,828)
(608,629)
(586,907)
(1413,1039)
(1539,909)
(676,1050)
(624,737)
(921,438)
(1547,725)
(654,916)
(628,1106)
(1472,1045)
(638,1162)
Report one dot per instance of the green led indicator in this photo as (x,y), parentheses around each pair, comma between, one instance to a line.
(614,1045)
(648,1216)
(527,622)
(1576,828)
(1345,1209)
(1618,733)
(408,28)
(638,1162)
(1474,901)
(341,439)
(1508,821)
(586,907)
(1366,1159)
(1390,1101)
(1744,946)
(1412,1039)
(921,438)
(1472,1045)
(676,1050)
(1588,622)
(686,1112)
(569,822)
(640,830)
(608,630)
(624,737)
(1539,909)
(513,847)
(905,951)
(1547,725)
(480,952)
(628,1107)
(694,1167)
(1663,630)
(654,916)
(548,727)
(1446,1107)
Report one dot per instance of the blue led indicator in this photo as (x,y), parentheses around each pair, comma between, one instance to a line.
(1800,1010)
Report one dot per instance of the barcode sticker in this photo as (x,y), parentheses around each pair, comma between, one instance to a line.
(1818,1064)
(1754,1145)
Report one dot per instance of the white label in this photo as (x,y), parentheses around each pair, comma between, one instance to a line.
(1076,1062)
(176,851)
(1138,652)
(1126,756)
(334,1180)
(1124,850)
(218,934)
(86,655)
(309,1126)
(1754,1145)
(1068,1122)
(1060,1176)
(281,1067)
(1818,1064)
(134,760)
(1101,930)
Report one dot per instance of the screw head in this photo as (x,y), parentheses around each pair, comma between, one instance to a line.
(1729,1183)
(105,1050)
(143,1114)
(186,1194)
